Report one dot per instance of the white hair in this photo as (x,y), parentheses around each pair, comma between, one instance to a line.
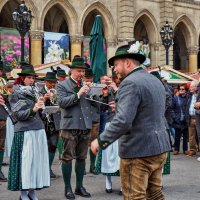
(194,83)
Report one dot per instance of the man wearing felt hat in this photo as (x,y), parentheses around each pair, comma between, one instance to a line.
(139,125)
(75,125)
(52,125)
(95,112)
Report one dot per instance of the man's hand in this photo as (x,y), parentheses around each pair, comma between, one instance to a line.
(105,91)
(94,146)
(197,105)
(46,96)
(2,102)
(112,105)
(114,86)
(39,105)
(83,90)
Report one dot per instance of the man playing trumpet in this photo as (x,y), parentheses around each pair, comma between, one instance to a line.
(95,112)
(76,123)
(52,123)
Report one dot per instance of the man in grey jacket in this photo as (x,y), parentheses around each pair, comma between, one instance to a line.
(139,124)
(75,126)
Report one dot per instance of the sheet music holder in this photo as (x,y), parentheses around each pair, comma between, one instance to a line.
(50,109)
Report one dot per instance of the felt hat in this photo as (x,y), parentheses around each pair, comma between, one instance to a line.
(27,70)
(89,72)
(127,51)
(77,62)
(61,72)
(50,76)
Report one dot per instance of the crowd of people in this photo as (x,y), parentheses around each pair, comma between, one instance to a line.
(132,109)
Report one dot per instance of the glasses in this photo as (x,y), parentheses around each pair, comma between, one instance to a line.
(182,89)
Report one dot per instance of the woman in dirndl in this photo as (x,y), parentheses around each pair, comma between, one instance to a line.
(108,161)
(29,161)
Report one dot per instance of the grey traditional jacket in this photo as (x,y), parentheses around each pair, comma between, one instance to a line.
(22,106)
(139,122)
(75,113)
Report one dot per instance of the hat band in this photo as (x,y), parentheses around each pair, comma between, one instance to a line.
(28,71)
(121,52)
(78,63)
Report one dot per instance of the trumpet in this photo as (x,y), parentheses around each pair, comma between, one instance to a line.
(5,92)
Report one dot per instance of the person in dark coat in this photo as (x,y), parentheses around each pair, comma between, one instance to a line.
(53,121)
(179,120)
(191,118)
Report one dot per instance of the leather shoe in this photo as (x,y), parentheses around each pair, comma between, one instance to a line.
(175,152)
(2,177)
(92,171)
(108,190)
(186,152)
(191,153)
(52,175)
(82,192)
(69,194)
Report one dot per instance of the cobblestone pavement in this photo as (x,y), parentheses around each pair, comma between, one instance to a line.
(182,184)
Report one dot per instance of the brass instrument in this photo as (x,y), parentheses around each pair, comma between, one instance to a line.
(5,92)
(53,95)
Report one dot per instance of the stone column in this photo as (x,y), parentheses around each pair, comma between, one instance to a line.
(36,47)
(154,53)
(193,52)
(126,13)
(111,48)
(76,44)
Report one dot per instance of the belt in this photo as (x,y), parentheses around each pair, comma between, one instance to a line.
(193,117)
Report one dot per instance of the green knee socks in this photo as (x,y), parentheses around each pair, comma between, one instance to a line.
(79,169)
(67,170)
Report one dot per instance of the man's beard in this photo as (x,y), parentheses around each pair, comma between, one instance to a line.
(121,76)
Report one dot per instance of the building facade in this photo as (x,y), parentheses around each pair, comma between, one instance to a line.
(123,21)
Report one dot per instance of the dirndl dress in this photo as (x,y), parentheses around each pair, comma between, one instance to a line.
(9,137)
(108,161)
(29,161)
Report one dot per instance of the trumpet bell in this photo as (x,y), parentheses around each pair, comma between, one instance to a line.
(3,89)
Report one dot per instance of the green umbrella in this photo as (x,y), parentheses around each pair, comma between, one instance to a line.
(97,54)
